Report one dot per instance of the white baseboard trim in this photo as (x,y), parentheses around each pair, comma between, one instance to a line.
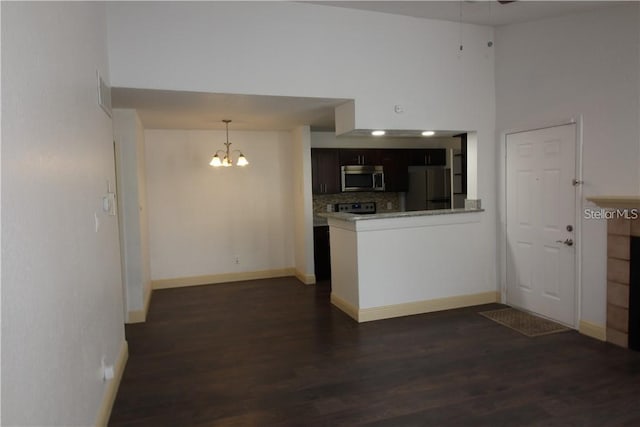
(307,279)
(426,306)
(136,316)
(410,308)
(140,316)
(112,386)
(593,330)
(349,309)
(220,278)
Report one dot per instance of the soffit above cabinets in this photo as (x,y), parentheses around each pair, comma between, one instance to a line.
(403,133)
(164,109)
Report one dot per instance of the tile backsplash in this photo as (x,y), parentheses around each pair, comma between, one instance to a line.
(320,201)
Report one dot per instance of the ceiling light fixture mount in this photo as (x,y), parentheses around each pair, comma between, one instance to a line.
(226,160)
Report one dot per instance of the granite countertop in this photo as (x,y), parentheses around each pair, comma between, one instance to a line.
(353,217)
(319,221)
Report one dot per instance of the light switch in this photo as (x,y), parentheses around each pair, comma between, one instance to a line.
(109,203)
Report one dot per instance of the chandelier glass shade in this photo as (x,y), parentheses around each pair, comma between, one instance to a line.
(224,157)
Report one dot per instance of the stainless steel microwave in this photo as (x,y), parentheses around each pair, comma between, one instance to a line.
(362,178)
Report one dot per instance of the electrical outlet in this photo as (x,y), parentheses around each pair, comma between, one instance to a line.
(236,260)
(389,206)
(106,371)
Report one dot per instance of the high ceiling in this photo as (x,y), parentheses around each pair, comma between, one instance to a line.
(161,109)
(474,12)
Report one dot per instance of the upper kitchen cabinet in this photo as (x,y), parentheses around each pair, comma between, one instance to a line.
(364,156)
(325,171)
(395,163)
(428,157)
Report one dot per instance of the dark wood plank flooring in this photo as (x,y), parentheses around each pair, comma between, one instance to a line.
(276,353)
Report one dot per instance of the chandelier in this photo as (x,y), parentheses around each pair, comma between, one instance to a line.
(226,160)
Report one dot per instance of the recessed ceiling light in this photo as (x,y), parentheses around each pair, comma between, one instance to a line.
(378,133)
(428,133)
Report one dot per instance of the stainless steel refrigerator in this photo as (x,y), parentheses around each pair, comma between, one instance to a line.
(429,188)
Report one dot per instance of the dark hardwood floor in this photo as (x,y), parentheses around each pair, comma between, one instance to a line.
(276,353)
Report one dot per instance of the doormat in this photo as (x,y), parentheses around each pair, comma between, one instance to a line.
(525,323)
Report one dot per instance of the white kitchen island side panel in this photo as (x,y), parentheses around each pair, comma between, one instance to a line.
(404,265)
(417,259)
(344,265)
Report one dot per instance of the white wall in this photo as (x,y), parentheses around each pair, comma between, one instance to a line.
(132,213)
(286,48)
(61,286)
(0,216)
(295,49)
(303,205)
(201,218)
(583,65)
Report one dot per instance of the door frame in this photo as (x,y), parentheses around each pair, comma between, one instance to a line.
(578,205)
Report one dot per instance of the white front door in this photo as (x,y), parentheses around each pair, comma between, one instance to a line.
(541,222)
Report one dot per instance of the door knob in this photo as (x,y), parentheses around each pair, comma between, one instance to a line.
(568,242)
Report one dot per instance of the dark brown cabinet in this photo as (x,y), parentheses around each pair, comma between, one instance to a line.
(366,156)
(326,163)
(322,252)
(325,171)
(396,166)
(428,157)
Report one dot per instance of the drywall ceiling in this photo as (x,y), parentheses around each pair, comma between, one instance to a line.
(474,12)
(162,109)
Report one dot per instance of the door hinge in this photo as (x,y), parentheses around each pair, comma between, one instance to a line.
(576,182)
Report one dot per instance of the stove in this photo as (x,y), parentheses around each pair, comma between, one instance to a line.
(366,208)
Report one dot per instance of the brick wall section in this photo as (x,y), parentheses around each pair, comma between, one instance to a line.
(619,231)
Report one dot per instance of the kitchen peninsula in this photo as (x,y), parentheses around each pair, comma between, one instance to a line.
(397,264)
